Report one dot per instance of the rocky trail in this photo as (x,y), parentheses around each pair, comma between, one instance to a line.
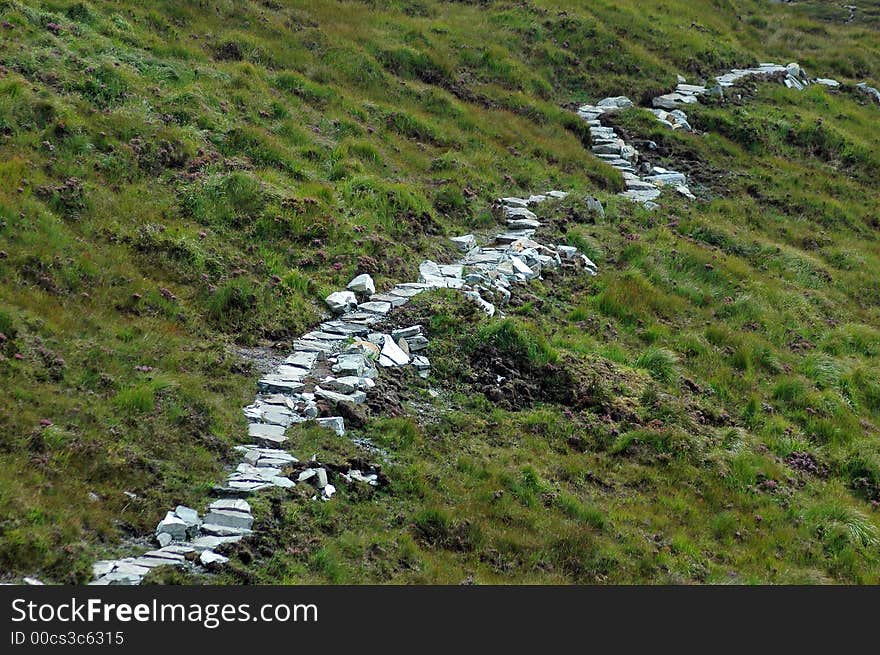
(643,180)
(336,364)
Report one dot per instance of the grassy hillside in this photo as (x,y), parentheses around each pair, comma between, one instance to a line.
(180,178)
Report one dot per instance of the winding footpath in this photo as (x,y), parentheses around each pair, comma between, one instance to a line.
(338,362)
(643,180)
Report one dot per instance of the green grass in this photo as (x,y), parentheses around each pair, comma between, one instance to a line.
(176,180)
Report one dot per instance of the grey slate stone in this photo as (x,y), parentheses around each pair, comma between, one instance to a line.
(340,302)
(209,558)
(228,518)
(172,525)
(363,284)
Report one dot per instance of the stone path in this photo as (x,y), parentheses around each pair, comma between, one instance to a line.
(643,180)
(338,361)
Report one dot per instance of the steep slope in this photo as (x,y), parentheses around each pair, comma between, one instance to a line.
(176,179)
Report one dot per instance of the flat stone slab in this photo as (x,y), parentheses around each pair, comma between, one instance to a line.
(216,530)
(363,283)
(396,301)
(210,542)
(278,384)
(364,318)
(304,360)
(347,384)
(259,430)
(465,242)
(318,335)
(310,345)
(209,558)
(172,525)
(375,307)
(410,331)
(407,291)
(392,354)
(523,222)
(350,364)
(187,514)
(356,397)
(519,212)
(416,343)
(228,518)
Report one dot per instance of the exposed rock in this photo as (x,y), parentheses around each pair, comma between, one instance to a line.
(187,515)
(209,558)
(618,102)
(340,302)
(229,518)
(173,526)
(465,243)
(267,434)
(375,307)
(824,81)
(392,355)
(356,397)
(521,212)
(869,91)
(231,504)
(320,478)
(405,333)
(363,283)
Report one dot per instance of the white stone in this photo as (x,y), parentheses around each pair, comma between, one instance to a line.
(824,81)
(231,504)
(421,362)
(102,567)
(217,530)
(320,478)
(519,212)
(429,269)
(229,518)
(363,283)
(281,481)
(187,514)
(618,102)
(340,302)
(302,360)
(348,383)
(375,307)
(465,243)
(210,558)
(267,434)
(172,525)
(416,343)
(392,355)
(406,332)
(209,542)
(356,397)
